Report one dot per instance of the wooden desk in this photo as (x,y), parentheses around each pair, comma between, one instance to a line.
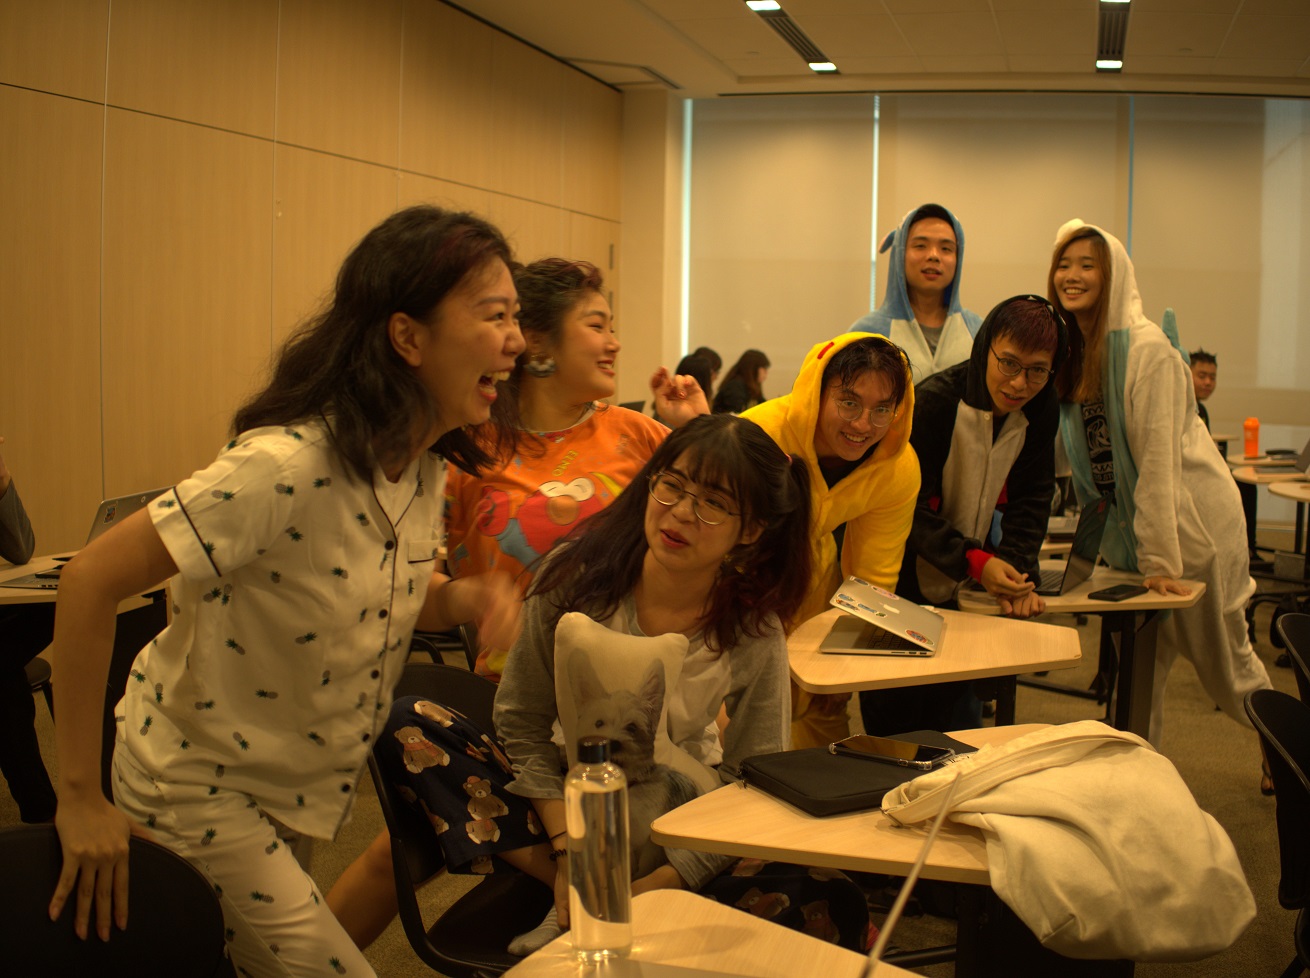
(1128,632)
(1267,475)
(674,927)
(1052,548)
(1299,492)
(972,648)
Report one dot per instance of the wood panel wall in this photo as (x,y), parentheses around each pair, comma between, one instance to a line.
(180,179)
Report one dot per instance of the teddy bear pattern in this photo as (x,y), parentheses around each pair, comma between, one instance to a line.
(418,752)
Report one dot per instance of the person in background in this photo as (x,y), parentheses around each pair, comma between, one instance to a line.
(743,387)
(689,366)
(301,561)
(848,417)
(25,630)
(984,432)
(1205,374)
(921,311)
(1130,427)
(716,364)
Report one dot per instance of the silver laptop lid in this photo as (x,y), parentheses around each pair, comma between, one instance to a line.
(113,511)
(1086,546)
(913,629)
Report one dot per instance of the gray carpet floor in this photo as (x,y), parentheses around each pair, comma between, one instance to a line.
(1218,759)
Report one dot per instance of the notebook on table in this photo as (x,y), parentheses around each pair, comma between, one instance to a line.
(1085,549)
(109,513)
(878,622)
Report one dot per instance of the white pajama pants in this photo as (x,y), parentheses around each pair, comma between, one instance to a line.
(277,923)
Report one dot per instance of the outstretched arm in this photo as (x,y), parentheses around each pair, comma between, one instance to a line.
(94,834)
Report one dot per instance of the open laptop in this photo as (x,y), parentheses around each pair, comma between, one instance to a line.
(1082,554)
(109,513)
(881,623)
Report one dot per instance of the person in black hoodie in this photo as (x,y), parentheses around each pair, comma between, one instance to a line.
(984,431)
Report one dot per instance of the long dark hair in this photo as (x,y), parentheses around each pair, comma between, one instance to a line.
(1079,379)
(340,363)
(747,369)
(600,562)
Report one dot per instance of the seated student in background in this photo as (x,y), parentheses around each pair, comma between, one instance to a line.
(689,366)
(25,630)
(716,364)
(921,311)
(984,432)
(707,553)
(1205,374)
(848,417)
(572,455)
(743,387)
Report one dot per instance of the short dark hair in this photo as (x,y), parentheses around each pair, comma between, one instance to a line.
(340,363)
(1203,356)
(599,563)
(1029,324)
(547,290)
(697,367)
(716,361)
(864,356)
(931,210)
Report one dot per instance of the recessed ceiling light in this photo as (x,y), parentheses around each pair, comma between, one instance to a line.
(822,66)
(1109,64)
(758,5)
(1114,1)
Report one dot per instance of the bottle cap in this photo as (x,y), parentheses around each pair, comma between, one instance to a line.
(593,750)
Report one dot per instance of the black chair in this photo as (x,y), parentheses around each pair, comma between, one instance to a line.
(1283,723)
(1295,632)
(175,924)
(462,639)
(468,940)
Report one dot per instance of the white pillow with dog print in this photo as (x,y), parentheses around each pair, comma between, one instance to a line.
(612,684)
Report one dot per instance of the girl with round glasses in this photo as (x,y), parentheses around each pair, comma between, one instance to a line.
(848,417)
(1129,423)
(701,574)
(984,432)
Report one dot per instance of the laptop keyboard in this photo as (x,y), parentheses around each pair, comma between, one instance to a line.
(1051,579)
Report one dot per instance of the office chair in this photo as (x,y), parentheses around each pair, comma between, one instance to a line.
(175,926)
(1283,724)
(468,940)
(461,639)
(1295,632)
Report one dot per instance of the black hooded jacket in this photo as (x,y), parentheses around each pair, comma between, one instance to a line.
(966,460)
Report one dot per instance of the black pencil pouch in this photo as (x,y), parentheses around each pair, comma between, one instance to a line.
(821,783)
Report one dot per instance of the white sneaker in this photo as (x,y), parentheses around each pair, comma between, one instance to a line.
(538,937)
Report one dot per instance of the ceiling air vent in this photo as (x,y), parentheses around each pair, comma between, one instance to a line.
(788,30)
(1112,31)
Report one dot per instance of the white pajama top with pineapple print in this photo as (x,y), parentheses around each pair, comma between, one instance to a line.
(296,597)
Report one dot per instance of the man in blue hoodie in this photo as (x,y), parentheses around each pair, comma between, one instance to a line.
(921,310)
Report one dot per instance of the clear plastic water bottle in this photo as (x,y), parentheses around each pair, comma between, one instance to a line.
(600,875)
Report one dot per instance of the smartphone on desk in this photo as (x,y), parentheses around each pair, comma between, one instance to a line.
(1118,592)
(888,751)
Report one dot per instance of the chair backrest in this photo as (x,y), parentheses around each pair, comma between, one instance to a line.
(175,923)
(1283,723)
(1295,631)
(416,855)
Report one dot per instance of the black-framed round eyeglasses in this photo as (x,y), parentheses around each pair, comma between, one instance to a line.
(1012,368)
(849,409)
(710,509)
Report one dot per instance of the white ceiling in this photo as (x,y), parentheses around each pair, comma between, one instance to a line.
(704,48)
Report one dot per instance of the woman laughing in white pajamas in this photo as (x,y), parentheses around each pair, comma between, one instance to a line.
(302,560)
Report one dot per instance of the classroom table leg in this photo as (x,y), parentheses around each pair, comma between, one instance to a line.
(1136,685)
